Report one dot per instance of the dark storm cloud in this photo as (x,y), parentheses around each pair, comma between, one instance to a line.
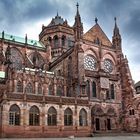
(15,13)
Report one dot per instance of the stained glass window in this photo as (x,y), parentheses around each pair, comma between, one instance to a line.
(52,116)
(83,117)
(68,117)
(14,115)
(29,88)
(19,86)
(34,115)
(39,89)
(16,59)
(108,65)
(89,63)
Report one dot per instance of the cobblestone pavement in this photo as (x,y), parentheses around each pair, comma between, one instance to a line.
(86,138)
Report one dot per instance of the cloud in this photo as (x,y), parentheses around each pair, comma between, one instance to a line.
(27,16)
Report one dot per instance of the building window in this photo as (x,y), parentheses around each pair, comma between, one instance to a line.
(93,89)
(68,120)
(39,89)
(63,40)
(88,88)
(29,88)
(55,41)
(52,116)
(19,86)
(14,115)
(59,91)
(131,112)
(34,116)
(83,117)
(112,91)
(50,89)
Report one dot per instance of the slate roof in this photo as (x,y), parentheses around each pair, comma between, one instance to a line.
(56,21)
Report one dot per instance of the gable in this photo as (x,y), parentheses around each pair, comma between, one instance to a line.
(96,32)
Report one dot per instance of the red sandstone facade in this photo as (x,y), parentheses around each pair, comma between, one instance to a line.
(67,83)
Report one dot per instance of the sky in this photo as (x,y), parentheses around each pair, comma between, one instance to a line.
(20,17)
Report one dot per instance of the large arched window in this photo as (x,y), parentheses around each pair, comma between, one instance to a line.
(52,116)
(55,39)
(112,91)
(88,88)
(59,91)
(16,59)
(39,89)
(34,115)
(19,86)
(14,115)
(93,89)
(29,88)
(68,117)
(83,117)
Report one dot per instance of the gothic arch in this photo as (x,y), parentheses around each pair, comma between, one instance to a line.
(83,117)
(97,110)
(52,116)
(111,111)
(95,55)
(37,59)
(111,57)
(16,58)
(14,115)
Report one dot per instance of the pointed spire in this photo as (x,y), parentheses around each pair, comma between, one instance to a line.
(77,5)
(116,40)
(116,29)
(78,26)
(57,13)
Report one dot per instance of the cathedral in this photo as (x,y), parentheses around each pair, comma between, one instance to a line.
(68,83)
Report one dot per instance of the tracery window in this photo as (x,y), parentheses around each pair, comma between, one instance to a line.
(34,116)
(88,88)
(68,117)
(29,88)
(52,116)
(36,59)
(39,89)
(16,59)
(93,89)
(50,89)
(19,86)
(83,117)
(14,115)
(59,91)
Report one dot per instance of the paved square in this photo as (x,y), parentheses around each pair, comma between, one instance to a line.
(83,138)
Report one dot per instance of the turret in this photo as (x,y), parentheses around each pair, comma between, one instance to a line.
(78,25)
(116,39)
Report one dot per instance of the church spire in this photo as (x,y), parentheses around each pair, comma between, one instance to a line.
(116,29)
(78,26)
(116,39)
